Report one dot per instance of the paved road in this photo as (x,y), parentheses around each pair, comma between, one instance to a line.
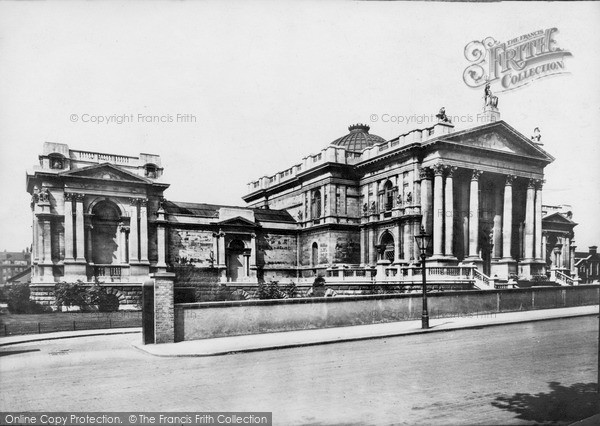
(542,372)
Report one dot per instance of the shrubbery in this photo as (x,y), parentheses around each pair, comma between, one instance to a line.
(85,297)
(272,290)
(18,301)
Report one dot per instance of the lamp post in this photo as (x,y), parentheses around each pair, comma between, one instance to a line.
(424,242)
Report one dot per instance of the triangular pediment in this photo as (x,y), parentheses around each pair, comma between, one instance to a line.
(557,218)
(499,137)
(237,221)
(107,172)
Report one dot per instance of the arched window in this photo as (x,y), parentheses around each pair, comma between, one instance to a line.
(316,204)
(314,259)
(388,250)
(388,195)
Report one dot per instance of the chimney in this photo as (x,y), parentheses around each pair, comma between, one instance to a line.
(593,249)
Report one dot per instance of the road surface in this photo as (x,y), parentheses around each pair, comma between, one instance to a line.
(534,373)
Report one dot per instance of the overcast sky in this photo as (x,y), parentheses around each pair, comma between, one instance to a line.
(270,82)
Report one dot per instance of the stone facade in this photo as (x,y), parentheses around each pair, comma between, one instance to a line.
(349,213)
(477,191)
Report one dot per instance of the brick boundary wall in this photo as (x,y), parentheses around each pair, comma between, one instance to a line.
(164,316)
(194,321)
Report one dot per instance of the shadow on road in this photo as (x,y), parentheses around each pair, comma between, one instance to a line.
(6,353)
(563,404)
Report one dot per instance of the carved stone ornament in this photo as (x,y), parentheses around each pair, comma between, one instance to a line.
(438,169)
(451,171)
(441,116)
(476,174)
(510,179)
(489,98)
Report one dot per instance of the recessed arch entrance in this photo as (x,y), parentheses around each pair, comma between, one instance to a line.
(236,266)
(106,217)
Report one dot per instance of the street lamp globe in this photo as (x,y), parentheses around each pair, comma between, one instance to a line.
(423,242)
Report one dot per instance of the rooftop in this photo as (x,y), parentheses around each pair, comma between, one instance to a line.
(358,139)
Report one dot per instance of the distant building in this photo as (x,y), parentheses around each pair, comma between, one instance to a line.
(588,265)
(13,263)
(558,241)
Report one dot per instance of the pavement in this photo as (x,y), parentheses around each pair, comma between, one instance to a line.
(291,339)
(27,338)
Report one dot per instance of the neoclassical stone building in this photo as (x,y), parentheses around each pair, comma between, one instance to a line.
(361,200)
(349,212)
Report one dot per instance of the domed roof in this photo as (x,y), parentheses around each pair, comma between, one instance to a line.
(358,139)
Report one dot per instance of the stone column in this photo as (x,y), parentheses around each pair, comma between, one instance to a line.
(530,221)
(565,253)
(507,218)
(144,231)
(397,243)
(449,212)
(161,239)
(79,229)
(438,211)
(372,251)
(123,230)
(406,241)
(426,200)
(88,241)
(254,253)
(474,215)
(215,250)
(304,213)
(572,258)
(40,239)
(376,198)
(538,220)
(134,256)
(497,229)
(69,255)
(324,202)
(47,226)
(221,243)
(34,245)
(544,247)
(363,246)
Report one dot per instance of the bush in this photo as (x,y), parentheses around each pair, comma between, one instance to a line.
(19,303)
(271,290)
(85,297)
(72,294)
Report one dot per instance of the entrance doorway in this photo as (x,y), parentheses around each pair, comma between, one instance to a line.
(235,260)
